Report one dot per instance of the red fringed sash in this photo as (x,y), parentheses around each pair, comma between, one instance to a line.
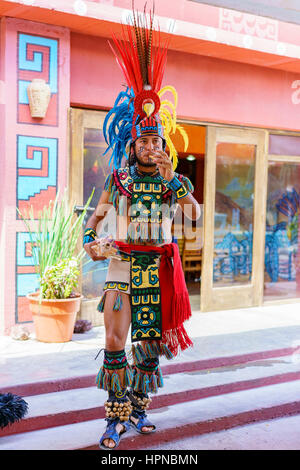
(175,302)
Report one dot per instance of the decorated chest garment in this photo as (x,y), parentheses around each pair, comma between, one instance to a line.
(145,213)
(145,195)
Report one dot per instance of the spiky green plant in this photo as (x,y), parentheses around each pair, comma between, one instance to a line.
(60,280)
(56,236)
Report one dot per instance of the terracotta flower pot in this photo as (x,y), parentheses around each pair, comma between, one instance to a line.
(54,319)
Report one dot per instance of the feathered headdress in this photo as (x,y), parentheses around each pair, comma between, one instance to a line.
(142,56)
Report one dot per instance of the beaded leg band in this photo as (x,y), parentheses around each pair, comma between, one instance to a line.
(118,406)
(109,376)
(147,376)
(150,350)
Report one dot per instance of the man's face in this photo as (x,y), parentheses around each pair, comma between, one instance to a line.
(146,146)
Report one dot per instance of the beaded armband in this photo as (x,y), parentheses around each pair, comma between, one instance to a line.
(177,187)
(89,235)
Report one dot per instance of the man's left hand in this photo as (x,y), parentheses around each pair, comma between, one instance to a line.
(165,165)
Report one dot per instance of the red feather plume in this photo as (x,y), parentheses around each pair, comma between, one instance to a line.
(140,53)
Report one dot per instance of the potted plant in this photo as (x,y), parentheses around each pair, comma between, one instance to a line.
(57,261)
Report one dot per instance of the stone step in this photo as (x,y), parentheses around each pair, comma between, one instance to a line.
(176,421)
(27,388)
(274,434)
(82,404)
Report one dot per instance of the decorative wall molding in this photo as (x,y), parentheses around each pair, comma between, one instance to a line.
(37,159)
(37,58)
(26,277)
(243,23)
(34,152)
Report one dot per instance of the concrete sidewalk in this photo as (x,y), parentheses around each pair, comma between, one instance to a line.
(215,334)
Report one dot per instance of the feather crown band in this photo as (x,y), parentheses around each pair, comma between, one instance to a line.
(141,110)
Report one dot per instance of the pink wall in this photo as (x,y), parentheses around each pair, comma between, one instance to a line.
(33,151)
(208,89)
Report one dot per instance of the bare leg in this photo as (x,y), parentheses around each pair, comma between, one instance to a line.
(135,420)
(116,331)
(116,323)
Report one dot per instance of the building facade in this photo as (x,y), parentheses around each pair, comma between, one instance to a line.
(238,80)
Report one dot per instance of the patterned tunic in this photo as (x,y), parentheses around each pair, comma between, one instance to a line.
(147,200)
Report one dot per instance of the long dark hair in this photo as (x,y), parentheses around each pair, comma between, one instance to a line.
(131,157)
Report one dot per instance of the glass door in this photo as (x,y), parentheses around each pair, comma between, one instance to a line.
(234,218)
(88,170)
(282,253)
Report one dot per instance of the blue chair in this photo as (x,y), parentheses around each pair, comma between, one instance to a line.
(233,256)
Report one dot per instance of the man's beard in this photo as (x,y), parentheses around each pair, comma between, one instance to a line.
(147,164)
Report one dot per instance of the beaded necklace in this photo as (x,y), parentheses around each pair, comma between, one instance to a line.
(135,173)
(146,216)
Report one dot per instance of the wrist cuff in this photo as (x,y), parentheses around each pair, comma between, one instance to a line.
(89,235)
(177,187)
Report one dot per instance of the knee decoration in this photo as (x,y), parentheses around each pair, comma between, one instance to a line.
(118,405)
(118,304)
(108,377)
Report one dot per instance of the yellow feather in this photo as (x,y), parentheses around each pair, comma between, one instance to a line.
(173,152)
(172,90)
(167,125)
(169,122)
(166,103)
(184,136)
(166,116)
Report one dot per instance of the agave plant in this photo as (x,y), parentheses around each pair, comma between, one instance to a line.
(54,245)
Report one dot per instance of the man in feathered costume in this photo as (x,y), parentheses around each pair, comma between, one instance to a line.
(145,284)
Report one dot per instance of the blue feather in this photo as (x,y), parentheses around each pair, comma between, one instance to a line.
(117,127)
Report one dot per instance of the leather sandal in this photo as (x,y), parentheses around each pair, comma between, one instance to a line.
(111,432)
(143,421)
